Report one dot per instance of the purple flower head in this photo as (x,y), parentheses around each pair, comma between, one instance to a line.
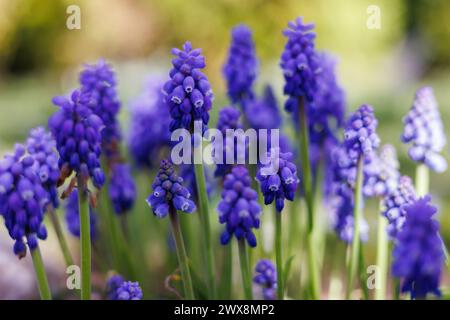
(22,200)
(263,113)
(188,93)
(149,125)
(73,216)
(77,131)
(300,64)
(394,205)
(119,289)
(381,173)
(122,190)
(424,130)
(241,67)
(418,254)
(266,278)
(169,192)
(99,82)
(112,284)
(280,185)
(42,147)
(239,209)
(361,139)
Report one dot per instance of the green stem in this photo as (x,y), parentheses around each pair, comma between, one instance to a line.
(85,236)
(182,256)
(307,187)
(41,277)
(356,237)
(228,272)
(60,235)
(245,269)
(396,289)
(382,257)
(204,217)
(422,180)
(363,275)
(279,256)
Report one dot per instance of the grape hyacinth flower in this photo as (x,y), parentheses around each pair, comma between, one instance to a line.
(122,189)
(424,130)
(119,289)
(241,67)
(266,278)
(188,93)
(263,113)
(418,254)
(112,284)
(73,216)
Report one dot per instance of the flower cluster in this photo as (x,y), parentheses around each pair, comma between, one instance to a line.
(279,185)
(425,131)
(395,203)
(263,113)
(168,192)
(266,278)
(73,216)
(418,254)
(300,64)
(119,289)
(77,131)
(42,147)
(241,67)
(239,208)
(145,141)
(188,92)
(122,190)
(22,200)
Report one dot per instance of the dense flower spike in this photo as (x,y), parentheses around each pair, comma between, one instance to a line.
(112,284)
(239,208)
(22,200)
(281,184)
(241,67)
(395,203)
(361,139)
(119,289)
(146,142)
(77,131)
(263,113)
(168,192)
(42,147)
(381,173)
(425,131)
(73,216)
(122,190)
(188,92)
(266,278)
(300,64)
(99,82)
(418,254)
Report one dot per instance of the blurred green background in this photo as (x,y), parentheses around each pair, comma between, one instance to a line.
(40,57)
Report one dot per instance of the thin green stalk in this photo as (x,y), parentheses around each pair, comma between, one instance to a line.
(382,257)
(396,289)
(41,277)
(422,182)
(356,237)
(228,272)
(279,256)
(363,275)
(307,186)
(182,256)
(245,270)
(60,235)
(85,237)
(204,217)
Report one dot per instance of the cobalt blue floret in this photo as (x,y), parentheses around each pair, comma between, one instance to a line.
(122,189)
(188,92)
(418,254)
(300,64)
(239,209)
(280,184)
(266,278)
(112,284)
(42,147)
(149,131)
(77,131)
(241,67)
(169,192)
(99,82)
(424,130)
(22,200)
(73,216)
(129,291)
(263,113)
(394,205)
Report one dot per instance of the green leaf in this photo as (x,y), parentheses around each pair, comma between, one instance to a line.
(287,269)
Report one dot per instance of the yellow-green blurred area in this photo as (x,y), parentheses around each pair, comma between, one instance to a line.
(40,57)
